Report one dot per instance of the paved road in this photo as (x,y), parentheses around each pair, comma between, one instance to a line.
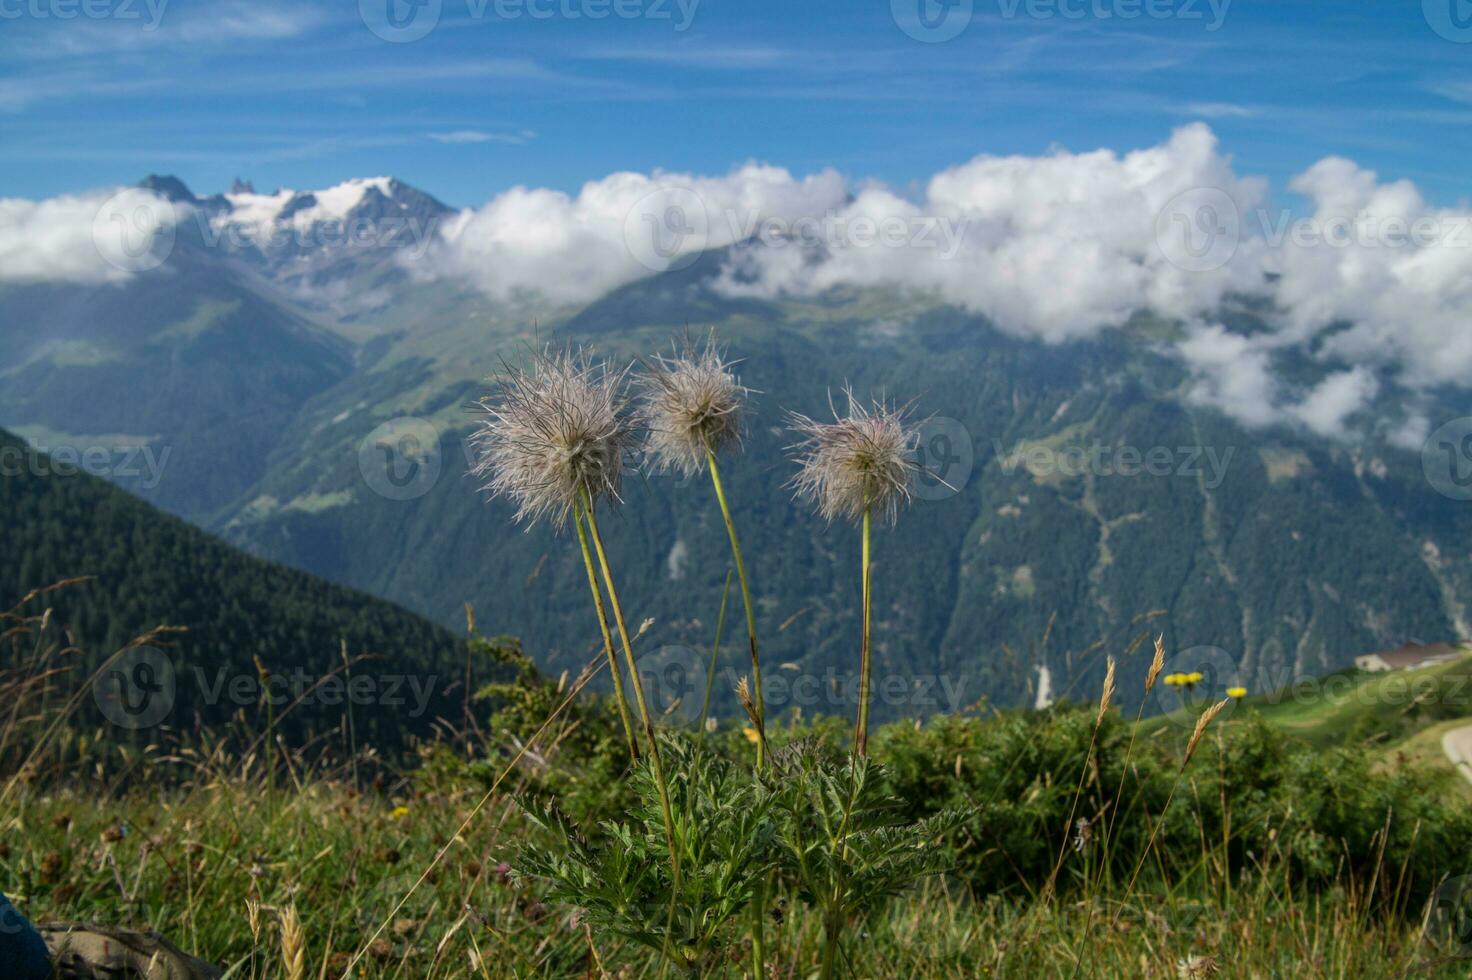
(1457,744)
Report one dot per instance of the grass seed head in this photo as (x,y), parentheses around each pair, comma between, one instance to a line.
(1108,694)
(691,402)
(863,460)
(1207,717)
(1157,664)
(293,945)
(553,432)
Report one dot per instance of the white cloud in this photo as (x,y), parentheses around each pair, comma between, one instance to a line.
(89,239)
(1058,247)
(1376,256)
(1233,374)
(1372,282)
(480,136)
(624,227)
(1334,399)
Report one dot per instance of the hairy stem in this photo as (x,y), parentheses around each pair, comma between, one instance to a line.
(613,667)
(758,922)
(861,734)
(648,722)
(756,660)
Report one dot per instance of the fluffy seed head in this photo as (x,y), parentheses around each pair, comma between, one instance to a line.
(552,432)
(690,402)
(863,460)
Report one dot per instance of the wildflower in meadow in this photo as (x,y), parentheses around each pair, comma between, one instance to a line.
(692,405)
(860,464)
(553,440)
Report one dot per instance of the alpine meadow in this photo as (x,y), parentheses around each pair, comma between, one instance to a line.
(619,489)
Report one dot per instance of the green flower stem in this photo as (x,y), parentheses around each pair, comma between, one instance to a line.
(613,668)
(628,646)
(759,899)
(756,660)
(715,652)
(861,735)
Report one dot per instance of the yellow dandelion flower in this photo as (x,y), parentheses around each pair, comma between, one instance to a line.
(750,733)
(399,812)
(1236,692)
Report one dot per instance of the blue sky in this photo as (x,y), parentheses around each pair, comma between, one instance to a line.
(306,94)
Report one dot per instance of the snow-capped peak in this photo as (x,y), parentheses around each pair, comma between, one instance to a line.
(301,208)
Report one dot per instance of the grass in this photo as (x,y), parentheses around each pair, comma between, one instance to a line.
(253,860)
(1403,713)
(186,863)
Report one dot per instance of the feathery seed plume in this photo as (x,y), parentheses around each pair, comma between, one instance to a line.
(552,433)
(691,403)
(863,460)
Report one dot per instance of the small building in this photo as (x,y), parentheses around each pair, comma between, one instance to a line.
(1410,655)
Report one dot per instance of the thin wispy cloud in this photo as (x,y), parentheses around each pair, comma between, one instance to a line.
(480,136)
(159,24)
(1218,110)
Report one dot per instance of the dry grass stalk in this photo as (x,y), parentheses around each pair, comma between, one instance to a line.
(1108,694)
(1157,664)
(1206,719)
(293,944)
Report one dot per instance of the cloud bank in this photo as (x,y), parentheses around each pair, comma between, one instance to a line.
(625,227)
(88,239)
(1368,280)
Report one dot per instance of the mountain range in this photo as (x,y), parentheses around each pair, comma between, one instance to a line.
(295,378)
